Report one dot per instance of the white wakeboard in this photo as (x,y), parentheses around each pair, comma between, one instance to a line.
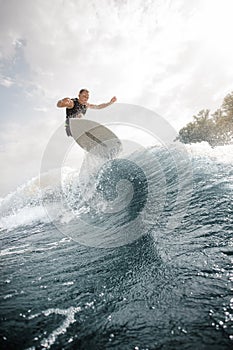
(94,137)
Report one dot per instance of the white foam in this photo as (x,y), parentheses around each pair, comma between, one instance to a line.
(15,250)
(23,217)
(69,315)
(222,154)
(25,205)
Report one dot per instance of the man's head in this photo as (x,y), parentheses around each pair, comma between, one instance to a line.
(83,96)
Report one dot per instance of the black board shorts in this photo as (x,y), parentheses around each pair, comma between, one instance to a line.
(67,127)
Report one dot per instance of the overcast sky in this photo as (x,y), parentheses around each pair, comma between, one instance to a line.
(171,56)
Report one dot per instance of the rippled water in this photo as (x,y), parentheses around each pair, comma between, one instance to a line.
(165,289)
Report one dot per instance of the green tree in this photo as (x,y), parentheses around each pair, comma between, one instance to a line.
(227,105)
(217,129)
(201,129)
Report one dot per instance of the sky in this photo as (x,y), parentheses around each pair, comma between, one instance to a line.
(173,57)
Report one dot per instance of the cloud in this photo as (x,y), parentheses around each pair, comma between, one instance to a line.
(119,45)
(41,109)
(22,149)
(173,57)
(6,82)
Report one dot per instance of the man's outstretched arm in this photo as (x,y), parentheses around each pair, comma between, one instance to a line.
(102,105)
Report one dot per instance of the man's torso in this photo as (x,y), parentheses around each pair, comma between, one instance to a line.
(77,109)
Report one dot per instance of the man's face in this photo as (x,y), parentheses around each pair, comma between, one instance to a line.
(83,97)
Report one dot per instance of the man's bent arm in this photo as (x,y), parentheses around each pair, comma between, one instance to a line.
(65,102)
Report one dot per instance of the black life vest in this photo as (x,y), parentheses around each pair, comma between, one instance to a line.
(77,109)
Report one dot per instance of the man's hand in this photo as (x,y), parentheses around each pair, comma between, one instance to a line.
(113,99)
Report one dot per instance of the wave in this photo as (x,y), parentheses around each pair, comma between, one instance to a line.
(25,205)
(150,187)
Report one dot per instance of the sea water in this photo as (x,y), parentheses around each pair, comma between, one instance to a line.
(155,274)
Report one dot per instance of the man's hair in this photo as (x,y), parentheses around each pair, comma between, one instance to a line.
(83,90)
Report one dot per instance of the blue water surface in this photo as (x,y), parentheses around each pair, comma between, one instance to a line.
(164,288)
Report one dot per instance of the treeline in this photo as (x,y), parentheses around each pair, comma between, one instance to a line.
(216,128)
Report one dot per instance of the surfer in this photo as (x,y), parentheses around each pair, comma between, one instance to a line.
(77,107)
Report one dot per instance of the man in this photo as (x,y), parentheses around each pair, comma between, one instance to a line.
(77,107)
